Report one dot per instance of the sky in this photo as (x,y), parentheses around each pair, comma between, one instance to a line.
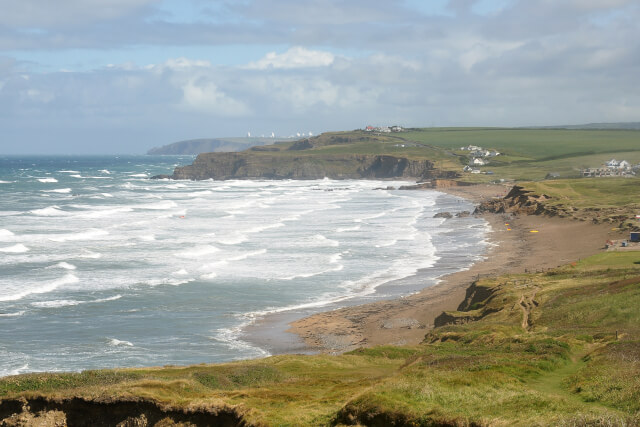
(123,76)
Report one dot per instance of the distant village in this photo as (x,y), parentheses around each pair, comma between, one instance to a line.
(384,129)
(478,156)
(611,168)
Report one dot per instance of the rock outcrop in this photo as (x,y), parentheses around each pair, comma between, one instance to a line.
(268,165)
(519,201)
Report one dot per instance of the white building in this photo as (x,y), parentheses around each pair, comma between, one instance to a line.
(478,162)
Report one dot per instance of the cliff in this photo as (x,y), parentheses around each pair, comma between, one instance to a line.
(573,202)
(270,165)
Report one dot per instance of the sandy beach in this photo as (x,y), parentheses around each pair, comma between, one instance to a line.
(515,249)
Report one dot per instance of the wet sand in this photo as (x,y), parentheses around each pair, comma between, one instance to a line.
(406,320)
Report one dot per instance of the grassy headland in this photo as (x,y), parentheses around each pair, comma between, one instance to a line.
(526,154)
(554,348)
(560,347)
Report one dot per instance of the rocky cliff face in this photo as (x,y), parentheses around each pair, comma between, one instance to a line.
(520,201)
(277,166)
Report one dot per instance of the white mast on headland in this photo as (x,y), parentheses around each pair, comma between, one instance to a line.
(248,134)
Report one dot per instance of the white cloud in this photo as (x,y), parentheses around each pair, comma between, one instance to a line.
(208,98)
(295,57)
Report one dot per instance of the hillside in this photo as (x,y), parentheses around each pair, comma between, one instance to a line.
(559,347)
(524,154)
(210,145)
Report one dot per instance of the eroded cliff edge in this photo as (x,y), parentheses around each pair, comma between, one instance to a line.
(266,165)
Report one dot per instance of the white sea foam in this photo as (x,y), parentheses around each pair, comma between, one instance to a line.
(49,211)
(261,228)
(105,171)
(234,239)
(91,234)
(181,272)
(15,371)
(47,180)
(198,251)
(106,195)
(90,255)
(55,303)
(14,314)
(167,281)
(77,176)
(333,259)
(102,213)
(15,249)
(168,204)
(58,190)
(64,265)
(49,287)
(114,342)
(4,234)
(231,338)
(325,241)
(346,229)
(139,175)
(6,182)
(69,171)
(340,267)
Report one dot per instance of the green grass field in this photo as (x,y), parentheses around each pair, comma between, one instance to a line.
(554,348)
(526,154)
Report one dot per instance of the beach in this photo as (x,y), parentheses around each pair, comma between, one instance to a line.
(519,244)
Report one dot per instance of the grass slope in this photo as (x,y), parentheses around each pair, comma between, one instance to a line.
(544,352)
(527,154)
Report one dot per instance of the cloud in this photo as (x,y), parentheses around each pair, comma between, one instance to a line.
(323,64)
(295,57)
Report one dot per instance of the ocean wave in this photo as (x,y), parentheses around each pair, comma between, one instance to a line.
(15,314)
(326,241)
(261,228)
(70,303)
(55,303)
(4,233)
(225,261)
(167,281)
(15,371)
(50,287)
(114,342)
(235,239)
(90,255)
(139,175)
(339,267)
(49,211)
(105,171)
(168,204)
(58,190)
(102,213)
(6,182)
(91,234)
(15,249)
(69,171)
(345,229)
(64,265)
(47,180)
(198,251)
(231,338)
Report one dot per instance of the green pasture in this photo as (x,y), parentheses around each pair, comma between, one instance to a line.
(577,362)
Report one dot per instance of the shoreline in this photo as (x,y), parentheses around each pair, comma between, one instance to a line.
(405,320)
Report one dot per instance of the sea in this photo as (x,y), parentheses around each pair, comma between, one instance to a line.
(101,266)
